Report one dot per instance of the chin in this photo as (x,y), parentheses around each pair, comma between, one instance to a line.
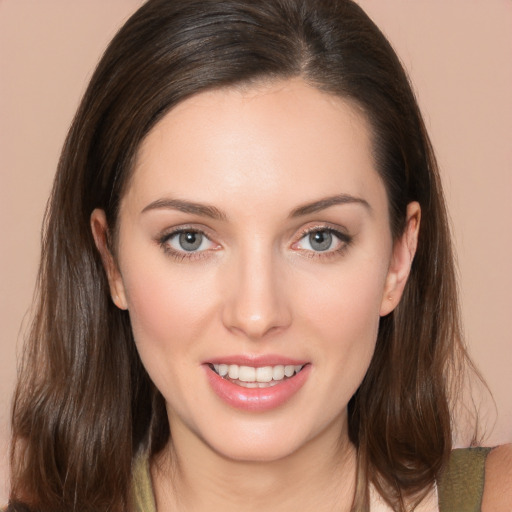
(256,451)
(269,441)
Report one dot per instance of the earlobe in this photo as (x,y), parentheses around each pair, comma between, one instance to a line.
(404,249)
(99,229)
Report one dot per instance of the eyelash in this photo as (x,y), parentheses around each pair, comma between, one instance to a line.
(343,238)
(163,241)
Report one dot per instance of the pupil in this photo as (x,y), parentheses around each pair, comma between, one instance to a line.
(190,241)
(321,240)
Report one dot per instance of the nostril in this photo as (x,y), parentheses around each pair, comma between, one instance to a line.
(256,306)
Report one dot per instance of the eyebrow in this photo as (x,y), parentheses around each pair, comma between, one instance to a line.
(203,210)
(327,202)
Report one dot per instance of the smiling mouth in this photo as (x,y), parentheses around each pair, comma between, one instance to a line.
(256,377)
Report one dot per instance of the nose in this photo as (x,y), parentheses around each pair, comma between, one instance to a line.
(256,303)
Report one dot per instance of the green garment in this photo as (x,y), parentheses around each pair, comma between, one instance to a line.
(142,492)
(460,488)
(462,484)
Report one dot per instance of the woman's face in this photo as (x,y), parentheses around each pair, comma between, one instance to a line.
(254,240)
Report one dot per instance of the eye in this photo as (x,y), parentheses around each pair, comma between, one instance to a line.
(319,241)
(323,240)
(187,241)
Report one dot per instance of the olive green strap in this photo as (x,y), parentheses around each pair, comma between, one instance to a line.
(142,492)
(461,485)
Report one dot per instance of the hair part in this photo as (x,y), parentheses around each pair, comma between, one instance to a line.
(84,404)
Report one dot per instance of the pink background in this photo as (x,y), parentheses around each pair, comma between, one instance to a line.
(459,56)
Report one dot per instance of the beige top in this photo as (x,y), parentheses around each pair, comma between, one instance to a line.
(460,488)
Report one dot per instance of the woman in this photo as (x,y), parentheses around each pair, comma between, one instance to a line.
(247,294)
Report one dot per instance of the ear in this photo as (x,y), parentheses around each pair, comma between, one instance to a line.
(404,249)
(99,229)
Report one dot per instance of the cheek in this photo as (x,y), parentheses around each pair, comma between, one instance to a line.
(169,313)
(168,307)
(341,316)
(344,300)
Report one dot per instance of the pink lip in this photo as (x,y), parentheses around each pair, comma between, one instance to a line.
(256,361)
(256,399)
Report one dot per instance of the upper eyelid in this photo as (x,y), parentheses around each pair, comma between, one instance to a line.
(324,227)
(169,232)
(179,231)
(321,228)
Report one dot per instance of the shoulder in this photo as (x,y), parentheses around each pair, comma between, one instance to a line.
(498,480)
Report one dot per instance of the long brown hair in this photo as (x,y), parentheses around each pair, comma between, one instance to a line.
(84,405)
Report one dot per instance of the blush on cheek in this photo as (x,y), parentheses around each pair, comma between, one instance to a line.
(354,297)
(346,314)
(166,306)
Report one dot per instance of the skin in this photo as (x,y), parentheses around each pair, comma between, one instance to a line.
(498,480)
(257,286)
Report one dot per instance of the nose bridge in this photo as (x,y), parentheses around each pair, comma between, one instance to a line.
(257,303)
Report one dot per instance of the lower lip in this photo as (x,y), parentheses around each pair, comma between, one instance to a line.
(256,399)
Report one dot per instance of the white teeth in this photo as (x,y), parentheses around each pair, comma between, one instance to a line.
(248,384)
(221,369)
(278,372)
(262,375)
(233,371)
(245,373)
(289,370)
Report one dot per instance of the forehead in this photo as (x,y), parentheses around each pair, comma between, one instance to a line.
(283,141)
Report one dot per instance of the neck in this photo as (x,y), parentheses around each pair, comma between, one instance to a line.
(319,476)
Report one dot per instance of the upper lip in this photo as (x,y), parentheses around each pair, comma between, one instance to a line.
(256,360)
